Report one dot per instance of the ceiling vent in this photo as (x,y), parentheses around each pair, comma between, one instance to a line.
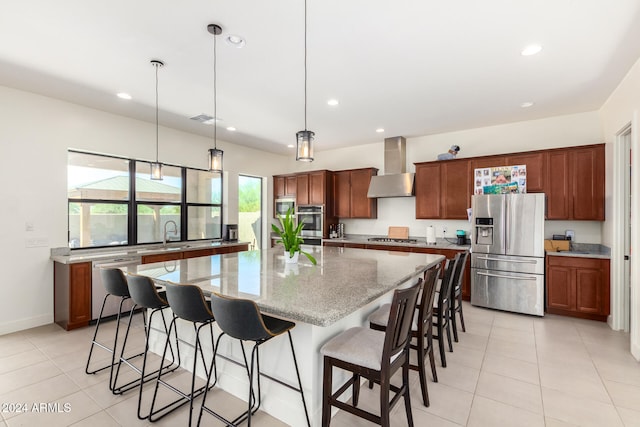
(204,118)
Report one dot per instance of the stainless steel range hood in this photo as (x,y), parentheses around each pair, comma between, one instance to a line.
(396,181)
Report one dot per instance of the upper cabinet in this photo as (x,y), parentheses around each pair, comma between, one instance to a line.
(443,189)
(572,179)
(350,189)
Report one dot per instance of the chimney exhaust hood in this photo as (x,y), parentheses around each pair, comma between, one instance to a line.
(396,181)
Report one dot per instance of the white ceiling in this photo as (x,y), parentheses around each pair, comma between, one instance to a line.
(412,67)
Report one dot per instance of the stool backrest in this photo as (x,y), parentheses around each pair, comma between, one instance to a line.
(456,288)
(144,293)
(188,303)
(239,318)
(398,332)
(114,281)
(447,280)
(425,304)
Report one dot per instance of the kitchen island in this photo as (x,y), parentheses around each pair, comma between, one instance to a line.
(324,299)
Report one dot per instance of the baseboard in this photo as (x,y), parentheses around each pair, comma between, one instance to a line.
(27,323)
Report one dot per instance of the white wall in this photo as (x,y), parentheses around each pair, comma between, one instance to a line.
(621,109)
(560,131)
(35,134)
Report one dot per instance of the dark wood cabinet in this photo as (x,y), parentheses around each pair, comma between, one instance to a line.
(578,287)
(290,185)
(443,189)
(148,259)
(536,171)
(302,189)
(350,189)
(72,294)
(575,183)
(318,186)
(194,253)
(278,187)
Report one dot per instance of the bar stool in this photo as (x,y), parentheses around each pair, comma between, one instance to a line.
(374,355)
(188,303)
(456,297)
(241,319)
(115,283)
(421,329)
(442,309)
(144,294)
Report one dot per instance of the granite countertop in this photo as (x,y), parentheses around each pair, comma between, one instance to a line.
(584,250)
(66,256)
(343,281)
(421,242)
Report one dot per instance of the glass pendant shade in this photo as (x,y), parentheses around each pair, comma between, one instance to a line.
(304,147)
(215,160)
(156,171)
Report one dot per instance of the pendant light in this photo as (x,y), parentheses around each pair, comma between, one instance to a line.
(215,154)
(156,168)
(304,138)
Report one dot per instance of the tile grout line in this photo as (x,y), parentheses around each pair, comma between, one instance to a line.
(484,356)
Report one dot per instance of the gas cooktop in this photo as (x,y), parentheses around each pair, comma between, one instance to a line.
(390,240)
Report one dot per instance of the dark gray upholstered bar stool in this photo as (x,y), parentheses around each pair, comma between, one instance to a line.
(374,355)
(144,294)
(116,286)
(441,309)
(188,303)
(456,297)
(421,329)
(241,319)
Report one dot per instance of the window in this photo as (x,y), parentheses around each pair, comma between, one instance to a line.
(107,207)
(250,210)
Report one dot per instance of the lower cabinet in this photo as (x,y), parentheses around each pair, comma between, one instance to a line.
(72,294)
(578,287)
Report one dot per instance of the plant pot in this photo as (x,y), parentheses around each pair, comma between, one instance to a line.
(288,259)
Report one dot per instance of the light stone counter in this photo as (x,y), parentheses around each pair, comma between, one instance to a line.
(338,293)
(344,280)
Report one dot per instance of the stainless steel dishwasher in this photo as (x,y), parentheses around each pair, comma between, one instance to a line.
(98,291)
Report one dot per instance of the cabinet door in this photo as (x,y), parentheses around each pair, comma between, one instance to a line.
(278,186)
(361,205)
(317,185)
(342,194)
(560,288)
(148,259)
(587,175)
(428,189)
(290,185)
(589,290)
(488,162)
(79,294)
(557,189)
(456,189)
(536,175)
(302,189)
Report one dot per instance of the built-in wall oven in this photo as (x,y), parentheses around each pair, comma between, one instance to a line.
(311,217)
(284,204)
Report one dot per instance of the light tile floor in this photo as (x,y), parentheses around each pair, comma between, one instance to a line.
(507,370)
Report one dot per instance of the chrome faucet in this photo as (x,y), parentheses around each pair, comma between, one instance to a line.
(175,231)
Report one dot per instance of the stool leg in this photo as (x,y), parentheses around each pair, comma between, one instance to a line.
(407,397)
(460,311)
(295,363)
(93,340)
(327,380)
(454,323)
(112,386)
(422,371)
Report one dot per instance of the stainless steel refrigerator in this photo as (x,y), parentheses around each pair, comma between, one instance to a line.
(507,260)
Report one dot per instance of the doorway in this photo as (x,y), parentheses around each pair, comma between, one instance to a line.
(625,140)
(250,210)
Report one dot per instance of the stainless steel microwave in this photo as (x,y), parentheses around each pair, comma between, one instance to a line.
(284,204)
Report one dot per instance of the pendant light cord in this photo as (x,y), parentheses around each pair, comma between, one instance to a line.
(156,67)
(215,112)
(305,64)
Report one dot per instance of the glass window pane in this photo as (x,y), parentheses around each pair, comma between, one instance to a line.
(153,220)
(204,187)
(168,190)
(97,224)
(204,222)
(250,210)
(91,176)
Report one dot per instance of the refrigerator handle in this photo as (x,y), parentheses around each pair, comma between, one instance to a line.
(514,261)
(501,276)
(507,214)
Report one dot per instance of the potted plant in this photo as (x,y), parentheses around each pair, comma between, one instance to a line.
(290,238)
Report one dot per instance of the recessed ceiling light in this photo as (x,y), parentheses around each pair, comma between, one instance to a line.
(231,129)
(531,50)
(235,41)
(333,102)
(526,104)
(290,146)
(379,130)
(123,95)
